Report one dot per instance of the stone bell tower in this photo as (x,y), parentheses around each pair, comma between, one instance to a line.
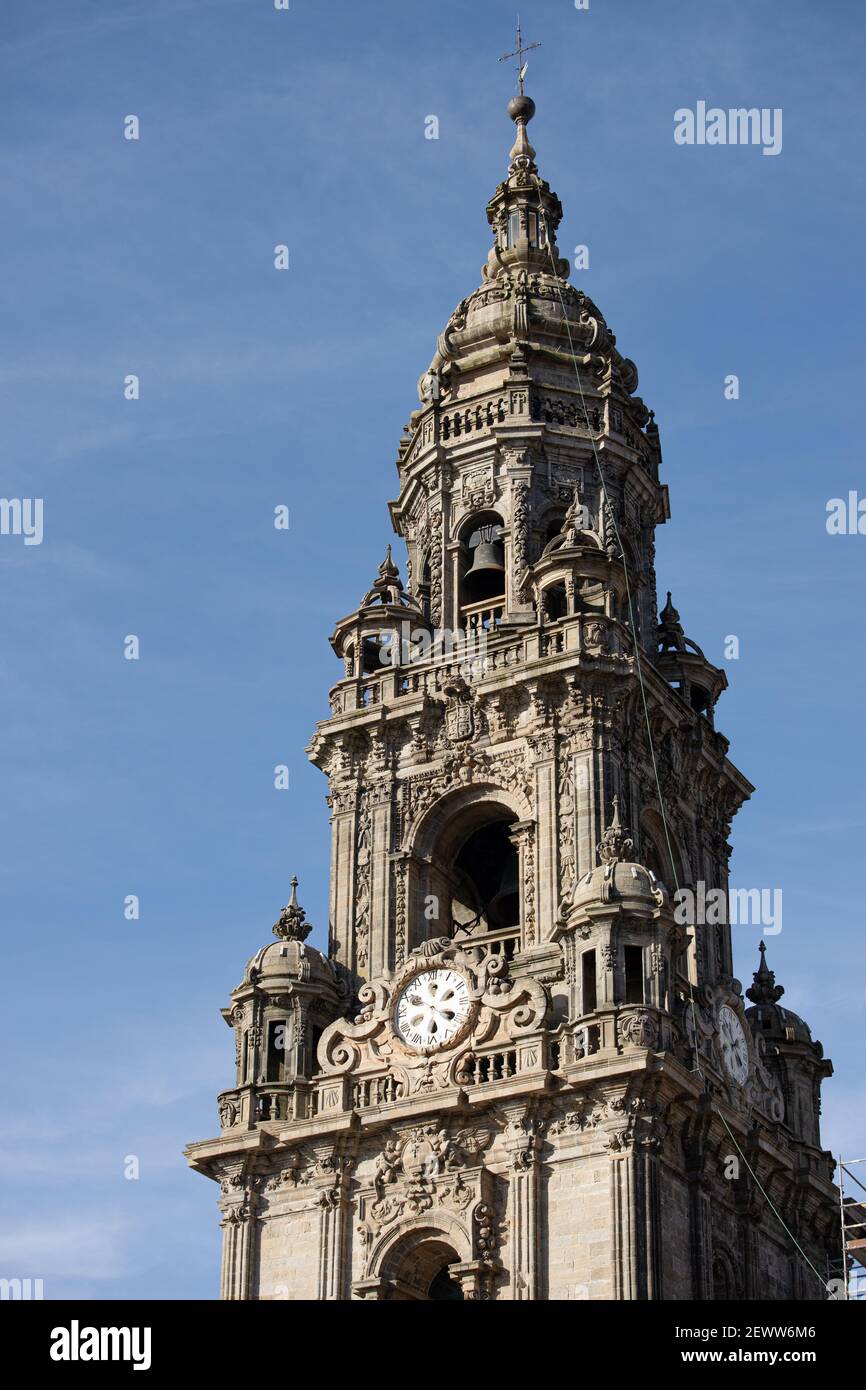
(518,1074)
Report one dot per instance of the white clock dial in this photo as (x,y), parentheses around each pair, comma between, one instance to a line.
(432,1009)
(732,1040)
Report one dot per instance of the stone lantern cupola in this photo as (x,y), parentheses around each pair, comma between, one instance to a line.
(372,639)
(579,571)
(523,212)
(289,993)
(681,661)
(623,948)
(791,1054)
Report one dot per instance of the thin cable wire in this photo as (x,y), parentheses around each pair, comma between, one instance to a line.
(767,1198)
(639,669)
(634,628)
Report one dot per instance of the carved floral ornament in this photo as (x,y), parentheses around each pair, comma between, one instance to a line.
(621,1121)
(426,1177)
(500,1011)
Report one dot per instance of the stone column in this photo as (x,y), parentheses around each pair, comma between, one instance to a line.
(586,802)
(700,1209)
(442,597)
(649,1198)
(334,1173)
(238,1254)
(622,1214)
(546,867)
(343,851)
(523,837)
(401,898)
(635,1219)
(519,470)
(381,947)
(523,1142)
(749,1213)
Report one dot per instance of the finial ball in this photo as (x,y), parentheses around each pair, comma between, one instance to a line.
(521,108)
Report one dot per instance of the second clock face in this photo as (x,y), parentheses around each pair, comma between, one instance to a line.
(732,1040)
(432,1009)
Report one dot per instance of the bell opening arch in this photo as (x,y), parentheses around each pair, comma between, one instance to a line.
(481,570)
(467,857)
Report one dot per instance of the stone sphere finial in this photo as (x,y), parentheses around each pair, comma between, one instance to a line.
(521,108)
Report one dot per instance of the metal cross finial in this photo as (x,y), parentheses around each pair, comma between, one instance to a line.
(518,54)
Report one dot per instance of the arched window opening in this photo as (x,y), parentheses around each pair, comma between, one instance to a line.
(590,595)
(589,995)
(555,602)
(553,527)
(699,699)
(482,572)
(487,897)
(653,860)
(424,586)
(371,655)
(484,577)
(633,962)
(276,1051)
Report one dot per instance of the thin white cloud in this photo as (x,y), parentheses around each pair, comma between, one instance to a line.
(86,1246)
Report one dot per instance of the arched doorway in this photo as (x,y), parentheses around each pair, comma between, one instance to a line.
(445,1288)
(419,1269)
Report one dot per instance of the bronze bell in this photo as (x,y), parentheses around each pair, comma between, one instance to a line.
(486,543)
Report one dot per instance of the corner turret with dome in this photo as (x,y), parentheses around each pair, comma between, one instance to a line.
(517,1072)
(796,1060)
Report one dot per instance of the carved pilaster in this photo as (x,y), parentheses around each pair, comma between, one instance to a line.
(239,1225)
(546,849)
(334,1171)
(523,837)
(700,1208)
(636,1215)
(523,1141)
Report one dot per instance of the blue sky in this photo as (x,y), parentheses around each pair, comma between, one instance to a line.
(258,388)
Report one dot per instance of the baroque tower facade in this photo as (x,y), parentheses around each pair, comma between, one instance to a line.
(518,1074)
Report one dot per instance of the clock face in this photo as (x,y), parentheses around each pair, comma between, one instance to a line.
(732,1040)
(432,1009)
